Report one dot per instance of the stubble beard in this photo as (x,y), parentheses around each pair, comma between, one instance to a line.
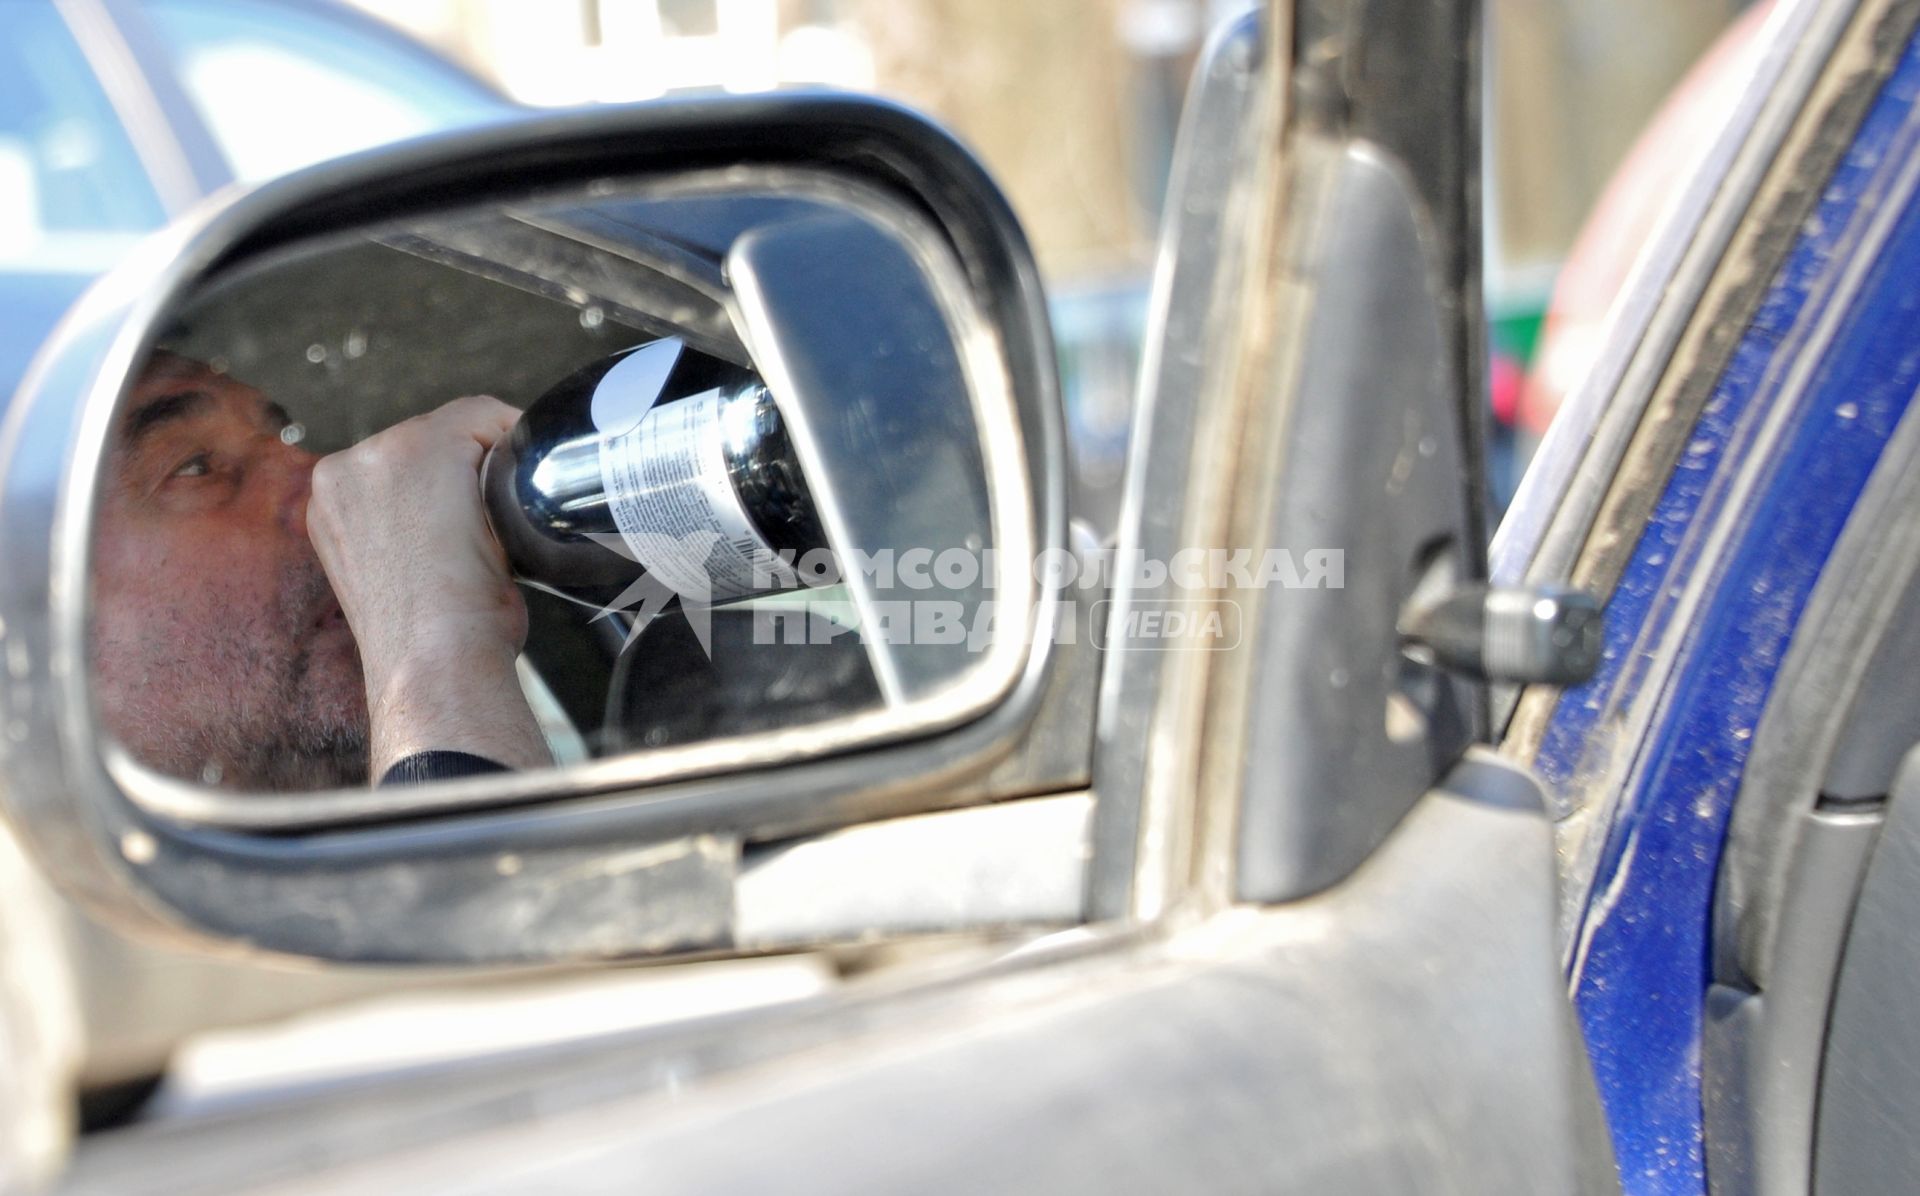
(317,746)
(267,703)
(320,741)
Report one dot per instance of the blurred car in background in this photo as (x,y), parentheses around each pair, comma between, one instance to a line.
(118,115)
(115,117)
(1099,333)
(1620,225)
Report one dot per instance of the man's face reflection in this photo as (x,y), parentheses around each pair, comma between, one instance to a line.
(219,650)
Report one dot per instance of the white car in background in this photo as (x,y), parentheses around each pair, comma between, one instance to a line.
(118,115)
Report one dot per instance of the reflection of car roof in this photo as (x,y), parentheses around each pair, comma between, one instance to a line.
(572,283)
(705,225)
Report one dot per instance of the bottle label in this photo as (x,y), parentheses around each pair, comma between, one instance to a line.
(667,486)
(625,393)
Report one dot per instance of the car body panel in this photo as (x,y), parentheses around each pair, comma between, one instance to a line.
(1652,752)
(1361,1041)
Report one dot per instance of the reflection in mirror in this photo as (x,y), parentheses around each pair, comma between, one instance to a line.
(624,471)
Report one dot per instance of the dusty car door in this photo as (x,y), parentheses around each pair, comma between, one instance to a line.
(1736,480)
(1307,926)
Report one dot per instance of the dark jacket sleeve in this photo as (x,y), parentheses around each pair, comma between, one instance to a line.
(438,766)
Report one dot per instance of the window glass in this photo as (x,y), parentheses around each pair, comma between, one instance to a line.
(283,87)
(69,178)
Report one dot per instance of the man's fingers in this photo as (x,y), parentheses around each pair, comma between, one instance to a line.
(398,525)
(449,433)
(461,431)
(482,417)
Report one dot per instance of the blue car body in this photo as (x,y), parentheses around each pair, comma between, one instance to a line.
(1648,761)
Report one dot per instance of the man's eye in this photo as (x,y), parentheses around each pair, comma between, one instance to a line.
(196,466)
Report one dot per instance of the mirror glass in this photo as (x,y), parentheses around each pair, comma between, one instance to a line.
(689,474)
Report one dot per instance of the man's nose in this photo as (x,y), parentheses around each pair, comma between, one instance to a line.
(297,464)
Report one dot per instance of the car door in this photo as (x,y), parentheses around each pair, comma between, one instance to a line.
(1307,924)
(1735,480)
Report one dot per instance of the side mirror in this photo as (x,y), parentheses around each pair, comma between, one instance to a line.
(777,516)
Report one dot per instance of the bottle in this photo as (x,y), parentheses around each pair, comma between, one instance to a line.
(659,460)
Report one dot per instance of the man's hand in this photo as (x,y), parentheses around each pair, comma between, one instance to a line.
(398,526)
